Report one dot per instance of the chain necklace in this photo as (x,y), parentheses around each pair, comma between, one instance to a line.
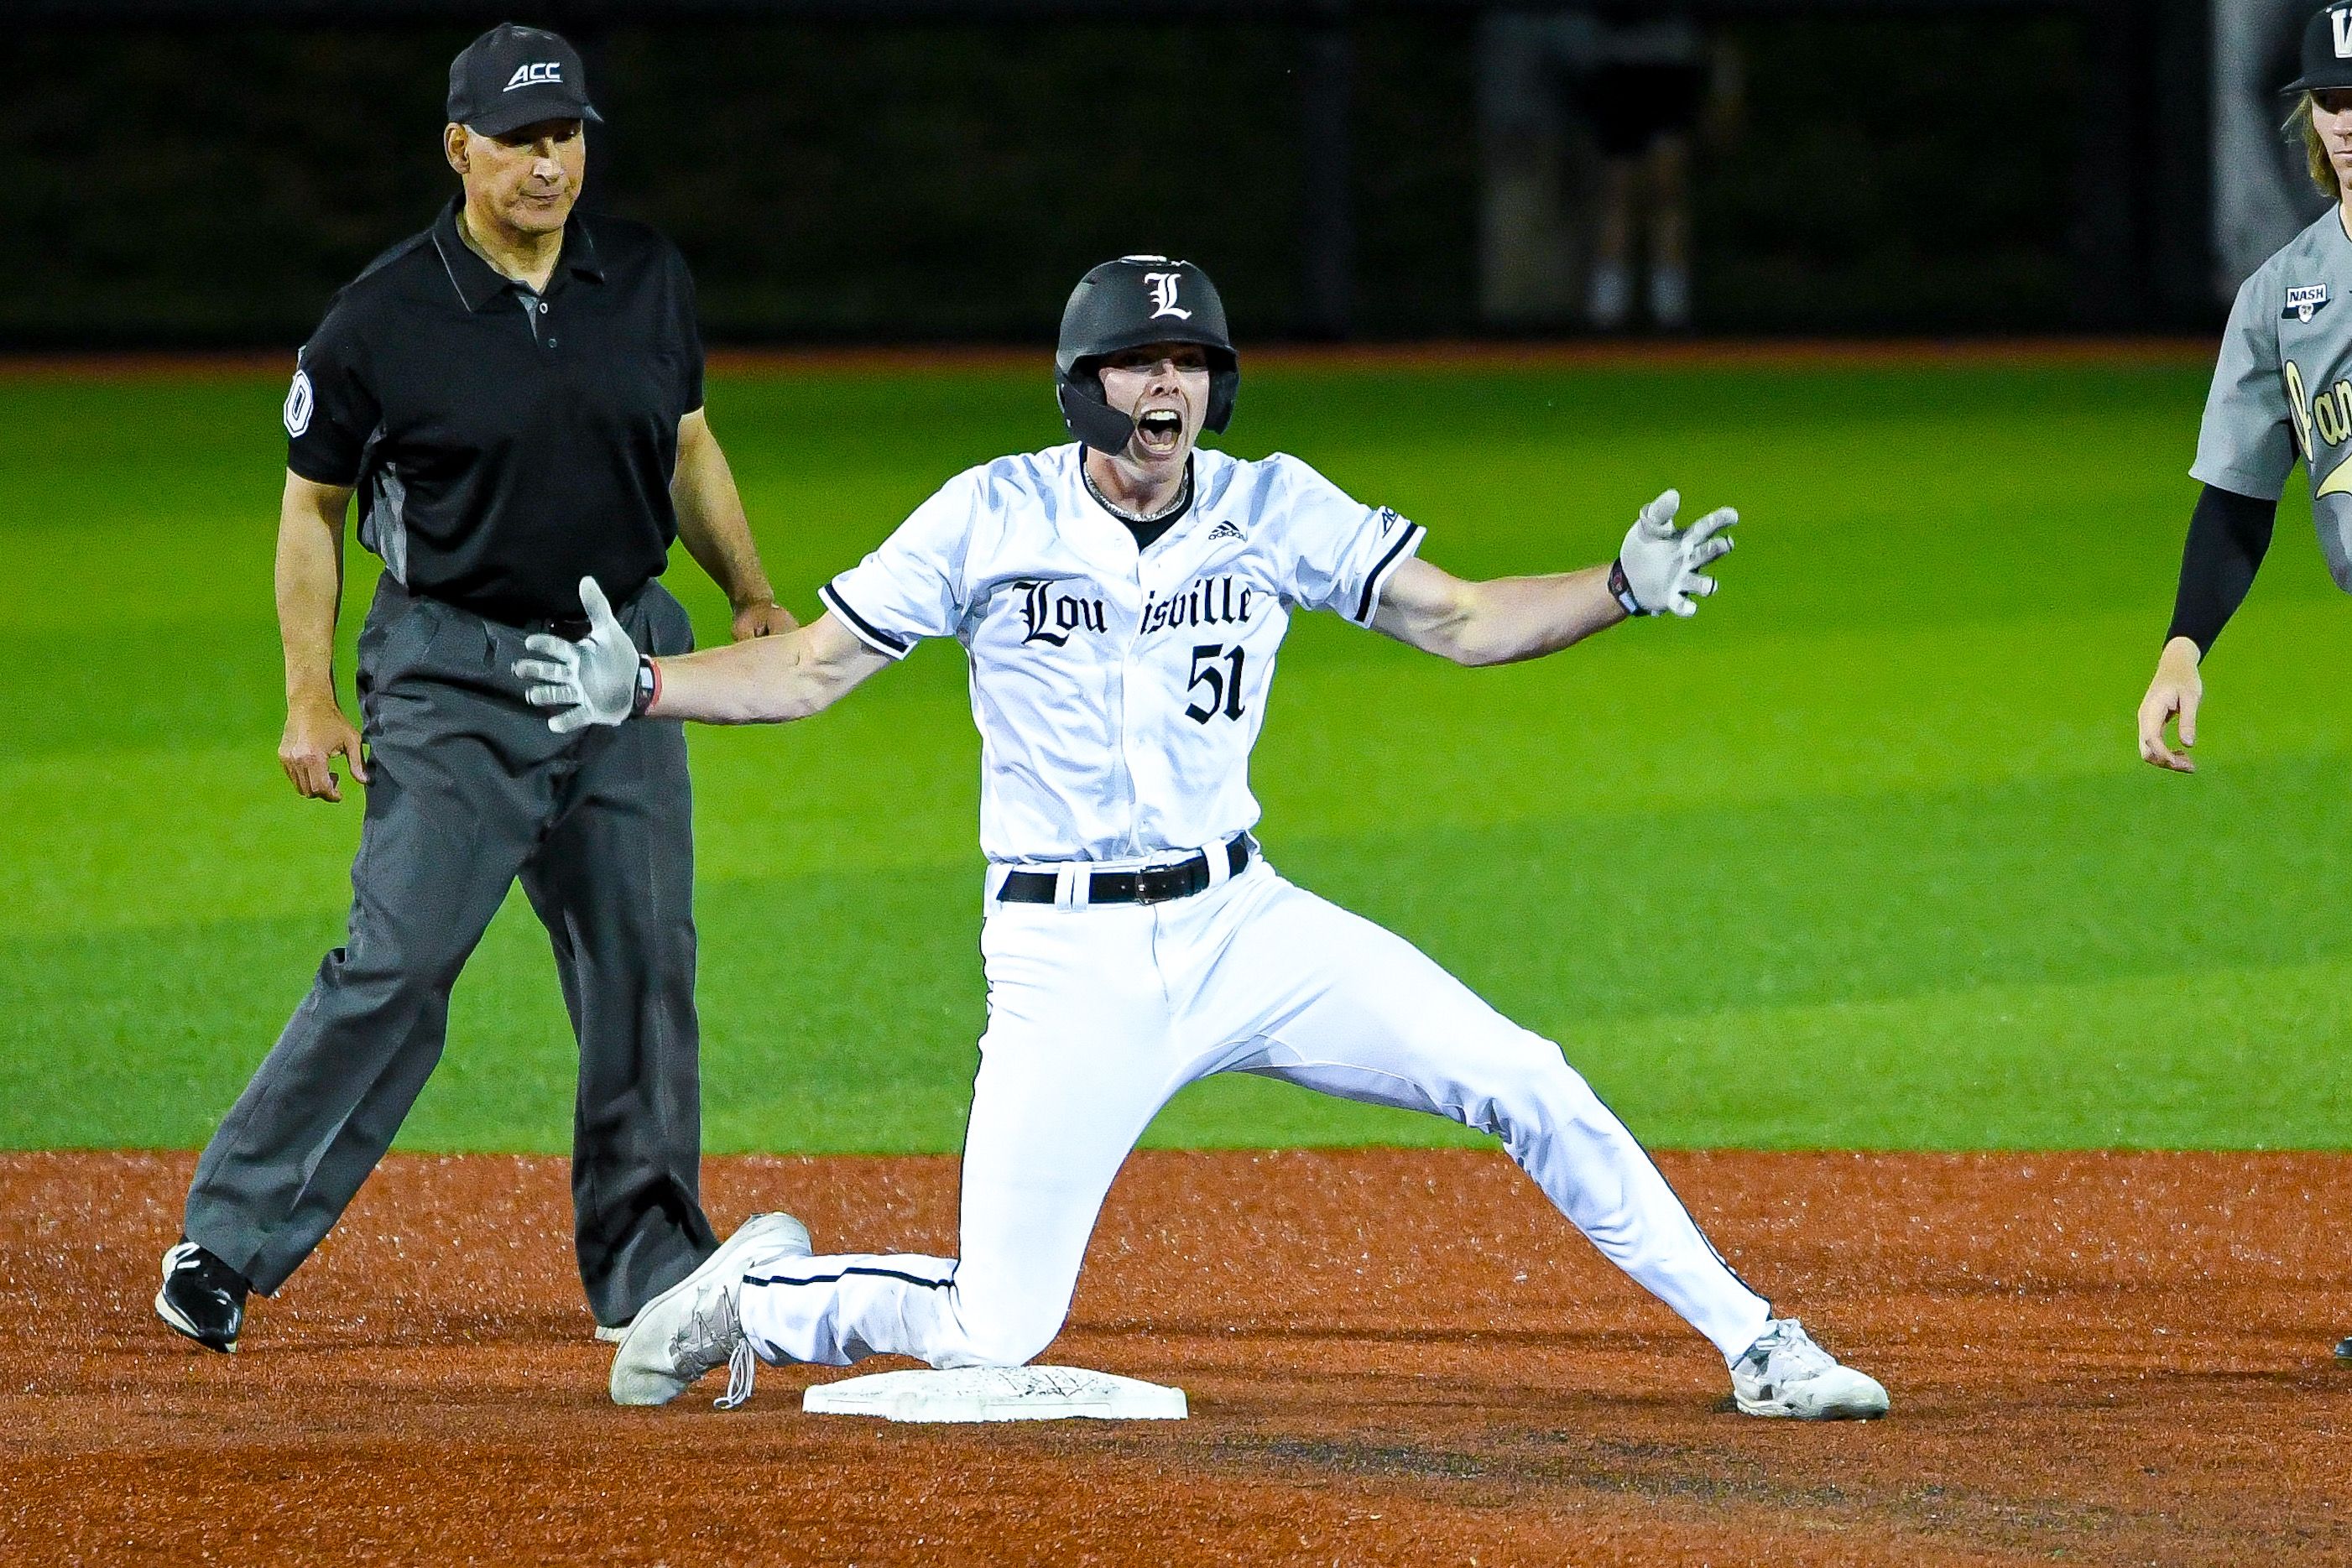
(1184,496)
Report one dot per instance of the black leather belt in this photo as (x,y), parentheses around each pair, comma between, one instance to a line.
(1153,884)
(571,628)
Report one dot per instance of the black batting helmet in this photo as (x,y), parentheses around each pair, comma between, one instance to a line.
(1126,304)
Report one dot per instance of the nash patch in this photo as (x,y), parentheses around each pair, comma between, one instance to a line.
(2304,302)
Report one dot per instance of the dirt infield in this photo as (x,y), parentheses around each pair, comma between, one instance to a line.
(1392,1357)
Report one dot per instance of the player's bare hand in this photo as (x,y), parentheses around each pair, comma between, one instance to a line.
(316,734)
(2175,693)
(763,620)
(1662,563)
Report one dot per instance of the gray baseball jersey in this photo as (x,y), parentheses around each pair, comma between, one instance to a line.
(2285,384)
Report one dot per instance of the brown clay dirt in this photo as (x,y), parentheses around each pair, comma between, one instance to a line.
(1392,1357)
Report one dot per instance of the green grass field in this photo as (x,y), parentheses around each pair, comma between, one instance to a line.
(1862,857)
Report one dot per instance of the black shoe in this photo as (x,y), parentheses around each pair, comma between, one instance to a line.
(201,1297)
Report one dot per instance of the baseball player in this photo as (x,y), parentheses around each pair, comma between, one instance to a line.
(1122,599)
(2283,386)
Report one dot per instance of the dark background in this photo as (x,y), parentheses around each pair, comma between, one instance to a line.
(187,173)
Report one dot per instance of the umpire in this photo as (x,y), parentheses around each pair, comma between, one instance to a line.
(516,395)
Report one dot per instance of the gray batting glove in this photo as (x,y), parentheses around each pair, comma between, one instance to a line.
(593,681)
(1657,570)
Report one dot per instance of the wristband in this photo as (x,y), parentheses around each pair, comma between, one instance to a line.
(1623,589)
(648,687)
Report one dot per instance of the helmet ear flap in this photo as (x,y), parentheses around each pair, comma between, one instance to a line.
(1224,390)
(1091,419)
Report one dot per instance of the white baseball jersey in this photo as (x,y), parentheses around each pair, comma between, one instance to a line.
(1118,697)
(1118,692)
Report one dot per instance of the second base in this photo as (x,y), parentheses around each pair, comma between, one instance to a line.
(997,1394)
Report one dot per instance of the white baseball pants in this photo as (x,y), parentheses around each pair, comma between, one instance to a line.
(1099,1014)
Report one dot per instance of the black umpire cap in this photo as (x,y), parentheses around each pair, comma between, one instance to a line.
(513,75)
(2326,51)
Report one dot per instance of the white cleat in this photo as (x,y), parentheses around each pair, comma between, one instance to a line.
(1784,1373)
(693,1326)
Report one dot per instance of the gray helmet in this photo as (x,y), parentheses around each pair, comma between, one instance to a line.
(1125,304)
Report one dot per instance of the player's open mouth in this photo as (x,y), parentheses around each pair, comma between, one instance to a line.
(1161,429)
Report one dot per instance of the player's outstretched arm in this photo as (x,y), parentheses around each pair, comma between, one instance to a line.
(1495,623)
(772,680)
(1509,619)
(602,678)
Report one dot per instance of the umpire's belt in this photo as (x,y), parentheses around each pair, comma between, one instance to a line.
(1152,884)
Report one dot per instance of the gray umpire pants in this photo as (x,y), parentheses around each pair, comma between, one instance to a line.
(470,791)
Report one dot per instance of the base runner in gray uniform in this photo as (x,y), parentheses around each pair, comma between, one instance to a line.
(2283,387)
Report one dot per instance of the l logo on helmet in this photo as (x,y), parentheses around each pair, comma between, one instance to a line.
(1163,295)
(2342,21)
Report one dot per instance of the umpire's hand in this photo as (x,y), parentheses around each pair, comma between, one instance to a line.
(762,618)
(316,734)
(2178,688)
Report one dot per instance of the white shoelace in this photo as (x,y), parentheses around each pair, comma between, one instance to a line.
(741,1367)
(709,1323)
(1793,1355)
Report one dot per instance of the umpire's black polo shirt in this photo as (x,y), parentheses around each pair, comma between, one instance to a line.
(506,445)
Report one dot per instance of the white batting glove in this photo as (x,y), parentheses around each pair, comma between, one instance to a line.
(593,681)
(1657,570)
